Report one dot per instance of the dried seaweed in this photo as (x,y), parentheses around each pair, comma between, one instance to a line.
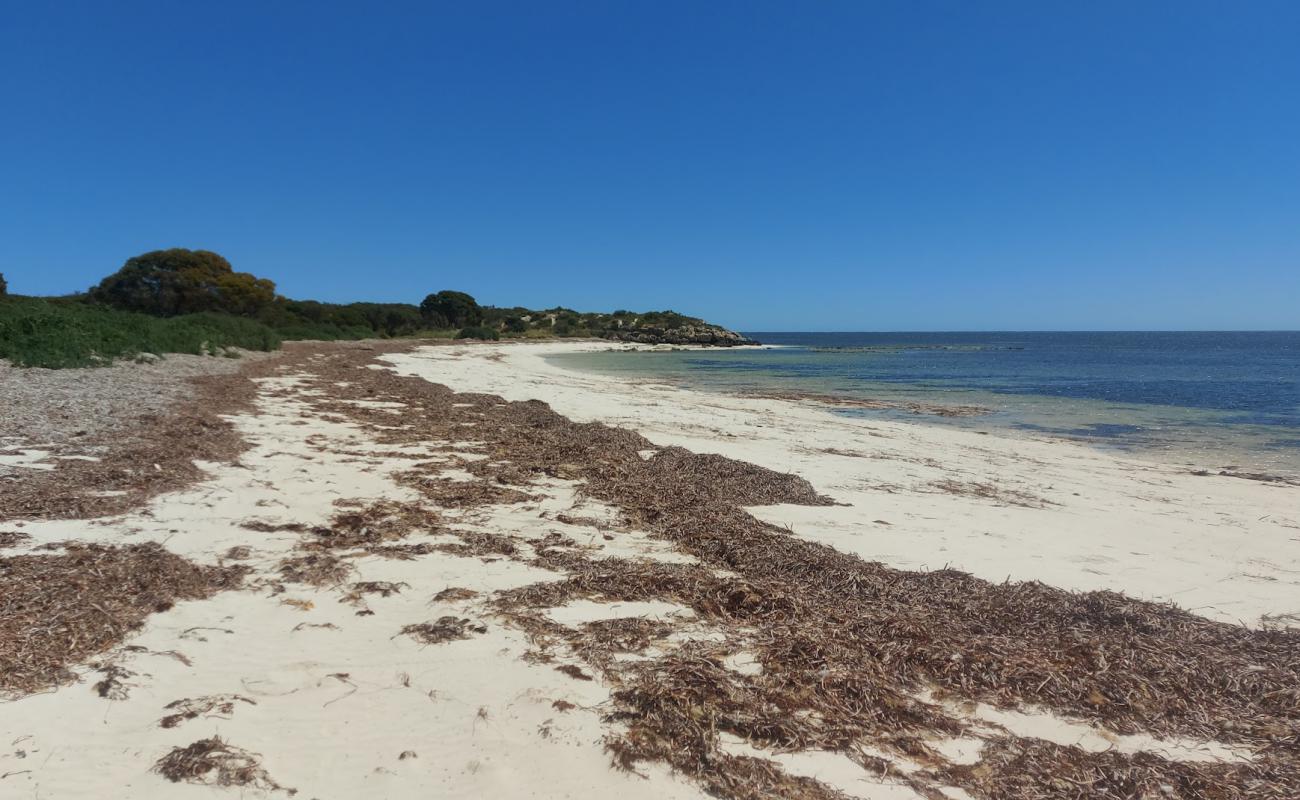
(848,647)
(59,610)
(443,629)
(217,705)
(988,490)
(113,686)
(381,588)
(452,494)
(454,593)
(12,538)
(573,671)
(316,569)
(374,525)
(269,527)
(214,762)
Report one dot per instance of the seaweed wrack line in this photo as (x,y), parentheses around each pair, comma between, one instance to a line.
(848,647)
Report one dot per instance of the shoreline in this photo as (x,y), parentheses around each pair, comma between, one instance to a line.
(1223,454)
(991,492)
(416,579)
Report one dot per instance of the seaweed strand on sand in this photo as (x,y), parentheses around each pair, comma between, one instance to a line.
(853,654)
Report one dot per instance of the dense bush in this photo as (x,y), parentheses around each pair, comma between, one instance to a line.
(308,319)
(61,332)
(448,309)
(478,332)
(171,282)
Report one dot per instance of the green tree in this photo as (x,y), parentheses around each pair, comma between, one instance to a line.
(448,309)
(179,281)
(4,286)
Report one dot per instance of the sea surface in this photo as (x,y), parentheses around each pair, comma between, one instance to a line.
(1205,399)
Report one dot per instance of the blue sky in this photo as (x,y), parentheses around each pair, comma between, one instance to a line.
(772,166)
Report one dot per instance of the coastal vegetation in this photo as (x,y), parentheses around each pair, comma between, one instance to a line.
(194,301)
(69,332)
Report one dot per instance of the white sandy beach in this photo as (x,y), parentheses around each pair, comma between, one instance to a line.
(339,705)
(1226,548)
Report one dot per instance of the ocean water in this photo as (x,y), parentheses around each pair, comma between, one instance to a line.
(1205,399)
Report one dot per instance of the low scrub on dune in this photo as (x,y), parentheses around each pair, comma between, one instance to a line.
(478,332)
(66,332)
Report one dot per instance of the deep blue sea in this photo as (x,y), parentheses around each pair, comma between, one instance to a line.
(1205,399)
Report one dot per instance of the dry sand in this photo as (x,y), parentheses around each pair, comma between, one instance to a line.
(1056,511)
(336,702)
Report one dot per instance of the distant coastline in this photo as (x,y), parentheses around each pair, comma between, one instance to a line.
(194,302)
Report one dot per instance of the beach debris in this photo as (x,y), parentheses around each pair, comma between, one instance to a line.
(460,495)
(453,593)
(601,638)
(381,588)
(194,633)
(402,552)
(85,600)
(213,762)
(573,671)
(373,525)
(270,527)
(216,705)
(443,629)
(475,543)
(113,686)
(302,626)
(13,538)
(316,569)
(857,658)
(1262,477)
(848,646)
(172,654)
(990,490)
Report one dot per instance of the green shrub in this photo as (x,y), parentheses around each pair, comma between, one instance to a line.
(478,332)
(4,286)
(448,309)
(172,282)
(58,332)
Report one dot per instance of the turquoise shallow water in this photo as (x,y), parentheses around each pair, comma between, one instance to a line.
(1208,400)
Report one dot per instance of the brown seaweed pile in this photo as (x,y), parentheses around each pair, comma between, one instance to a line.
(214,762)
(443,629)
(848,648)
(57,610)
(853,655)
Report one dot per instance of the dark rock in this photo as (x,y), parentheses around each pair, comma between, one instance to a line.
(703,334)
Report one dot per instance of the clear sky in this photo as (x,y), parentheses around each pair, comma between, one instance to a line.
(858,165)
